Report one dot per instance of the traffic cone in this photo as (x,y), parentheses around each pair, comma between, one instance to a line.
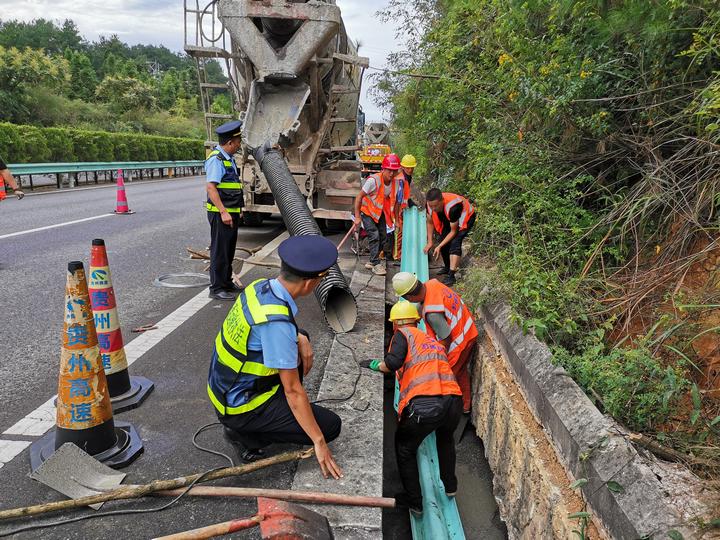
(84,414)
(126,392)
(121,204)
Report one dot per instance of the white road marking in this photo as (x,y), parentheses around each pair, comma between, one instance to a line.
(10,449)
(39,421)
(20,233)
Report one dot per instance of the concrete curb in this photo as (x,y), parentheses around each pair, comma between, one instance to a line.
(575,428)
(359,448)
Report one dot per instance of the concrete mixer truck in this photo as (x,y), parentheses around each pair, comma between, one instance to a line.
(294,77)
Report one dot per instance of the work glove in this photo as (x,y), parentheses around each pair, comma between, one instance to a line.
(411,203)
(19,194)
(373,364)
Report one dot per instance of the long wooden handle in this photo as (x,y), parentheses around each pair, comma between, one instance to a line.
(134,492)
(218,529)
(313,497)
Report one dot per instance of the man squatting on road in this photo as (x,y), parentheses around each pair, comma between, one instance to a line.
(261,356)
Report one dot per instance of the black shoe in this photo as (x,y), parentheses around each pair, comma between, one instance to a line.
(235,288)
(402,500)
(449,280)
(248,455)
(222,295)
(443,271)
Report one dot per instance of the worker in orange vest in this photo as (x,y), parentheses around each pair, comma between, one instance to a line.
(448,320)
(429,402)
(452,217)
(376,207)
(6,177)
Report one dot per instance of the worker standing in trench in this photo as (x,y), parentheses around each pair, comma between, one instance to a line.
(448,320)
(429,402)
(260,357)
(452,217)
(374,208)
(224,209)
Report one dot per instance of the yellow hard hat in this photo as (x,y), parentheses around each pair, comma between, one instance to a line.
(408,161)
(404,282)
(404,311)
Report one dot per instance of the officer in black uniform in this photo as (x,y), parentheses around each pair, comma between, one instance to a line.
(224,209)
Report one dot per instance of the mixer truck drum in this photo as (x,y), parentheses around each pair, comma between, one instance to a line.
(333,293)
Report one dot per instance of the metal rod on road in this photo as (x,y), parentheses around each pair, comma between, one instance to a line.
(134,492)
(283,495)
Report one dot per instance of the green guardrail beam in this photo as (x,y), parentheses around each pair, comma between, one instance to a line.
(440,519)
(93,166)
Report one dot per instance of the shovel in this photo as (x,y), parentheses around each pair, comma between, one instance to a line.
(277,520)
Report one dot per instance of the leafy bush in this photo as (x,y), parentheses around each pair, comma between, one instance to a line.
(29,144)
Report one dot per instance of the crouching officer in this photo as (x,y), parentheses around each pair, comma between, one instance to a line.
(260,356)
(429,401)
(224,209)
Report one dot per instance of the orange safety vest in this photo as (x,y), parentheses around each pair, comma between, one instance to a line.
(450,200)
(440,298)
(3,193)
(425,371)
(373,205)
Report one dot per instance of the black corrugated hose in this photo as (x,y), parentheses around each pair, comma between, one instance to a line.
(333,293)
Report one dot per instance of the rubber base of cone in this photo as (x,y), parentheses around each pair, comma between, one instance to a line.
(126,449)
(123,213)
(140,388)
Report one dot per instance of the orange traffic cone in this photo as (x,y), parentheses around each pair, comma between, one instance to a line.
(125,392)
(121,204)
(84,414)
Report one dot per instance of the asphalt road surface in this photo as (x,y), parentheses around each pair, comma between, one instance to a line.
(38,237)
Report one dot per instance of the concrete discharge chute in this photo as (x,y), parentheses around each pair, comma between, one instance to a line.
(296,76)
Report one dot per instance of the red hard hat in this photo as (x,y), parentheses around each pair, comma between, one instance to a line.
(392,162)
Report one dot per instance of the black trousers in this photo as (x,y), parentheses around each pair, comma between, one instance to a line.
(377,236)
(454,247)
(274,422)
(223,240)
(410,434)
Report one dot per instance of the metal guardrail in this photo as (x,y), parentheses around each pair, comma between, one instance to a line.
(92,166)
(44,169)
(440,519)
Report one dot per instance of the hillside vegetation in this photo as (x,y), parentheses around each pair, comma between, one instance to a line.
(51,77)
(587,133)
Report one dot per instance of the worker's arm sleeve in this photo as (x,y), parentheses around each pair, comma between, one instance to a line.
(279,344)
(439,325)
(398,351)
(214,170)
(455,212)
(369,186)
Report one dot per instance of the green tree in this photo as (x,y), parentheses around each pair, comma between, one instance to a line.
(83,78)
(123,94)
(41,34)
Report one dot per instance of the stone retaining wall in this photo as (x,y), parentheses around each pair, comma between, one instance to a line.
(541,432)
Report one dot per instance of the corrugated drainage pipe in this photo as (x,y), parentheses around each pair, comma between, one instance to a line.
(333,293)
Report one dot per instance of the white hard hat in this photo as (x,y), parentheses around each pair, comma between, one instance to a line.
(404,282)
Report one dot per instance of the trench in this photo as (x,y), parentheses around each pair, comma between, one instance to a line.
(478,509)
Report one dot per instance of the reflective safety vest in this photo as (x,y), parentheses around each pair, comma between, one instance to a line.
(239,381)
(425,371)
(3,193)
(450,200)
(439,298)
(373,205)
(229,188)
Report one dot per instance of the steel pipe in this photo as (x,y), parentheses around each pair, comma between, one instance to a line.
(333,293)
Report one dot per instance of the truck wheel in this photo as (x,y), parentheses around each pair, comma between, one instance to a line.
(252,219)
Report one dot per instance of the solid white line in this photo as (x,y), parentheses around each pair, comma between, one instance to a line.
(19,233)
(10,449)
(39,421)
